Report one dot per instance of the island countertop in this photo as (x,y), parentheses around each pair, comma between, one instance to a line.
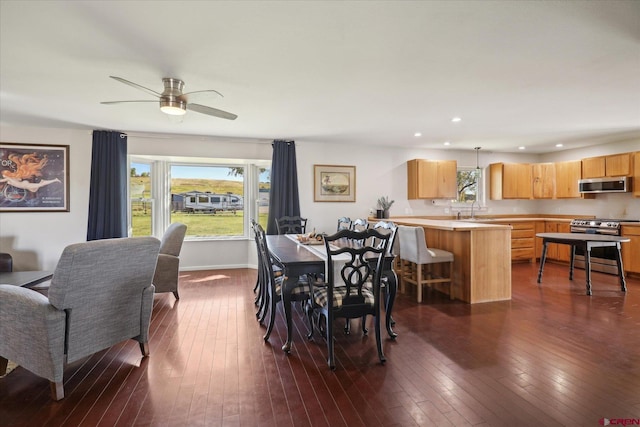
(482,255)
(451,225)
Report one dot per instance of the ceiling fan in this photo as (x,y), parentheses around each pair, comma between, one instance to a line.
(173,101)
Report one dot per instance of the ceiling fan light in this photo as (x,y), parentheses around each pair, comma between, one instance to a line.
(173,108)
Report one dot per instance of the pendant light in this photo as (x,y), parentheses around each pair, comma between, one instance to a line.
(479,171)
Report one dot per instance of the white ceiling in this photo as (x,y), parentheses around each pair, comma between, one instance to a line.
(363,72)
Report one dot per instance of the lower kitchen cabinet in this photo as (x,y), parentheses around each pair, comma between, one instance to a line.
(523,236)
(631,250)
(556,251)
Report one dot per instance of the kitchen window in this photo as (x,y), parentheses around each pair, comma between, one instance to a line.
(469,185)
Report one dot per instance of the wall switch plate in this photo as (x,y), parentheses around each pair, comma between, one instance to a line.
(446,210)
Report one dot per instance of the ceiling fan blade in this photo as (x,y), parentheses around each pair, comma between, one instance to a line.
(204,91)
(211,111)
(137,86)
(121,102)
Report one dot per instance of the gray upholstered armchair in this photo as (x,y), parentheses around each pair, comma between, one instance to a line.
(100,294)
(166,276)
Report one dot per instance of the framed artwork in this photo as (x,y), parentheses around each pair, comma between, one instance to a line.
(34,178)
(334,183)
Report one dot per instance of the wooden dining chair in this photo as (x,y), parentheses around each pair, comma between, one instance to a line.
(273,281)
(344,223)
(389,279)
(262,281)
(291,225)
(6,262)
(359,224)
(352,286)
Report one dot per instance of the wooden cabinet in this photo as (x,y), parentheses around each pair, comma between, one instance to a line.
(552,248)
(618,164)
(631,250)
(612,165)
(523,245)
(564,251)
(567,177)
(593,167)
(556,251)
(539,225)
(544,180)
(636,174)
(510,181)
(432,179)
(523,241)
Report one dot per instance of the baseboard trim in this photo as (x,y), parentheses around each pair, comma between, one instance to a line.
(218,267)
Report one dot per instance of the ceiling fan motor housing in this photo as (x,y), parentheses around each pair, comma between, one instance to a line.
(171,101)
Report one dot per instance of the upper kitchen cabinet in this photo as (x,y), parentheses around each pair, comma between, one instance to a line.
(567,176)
(544,180)
(510,181)
(636,174)
(432,179)
(593,167)
(612,165)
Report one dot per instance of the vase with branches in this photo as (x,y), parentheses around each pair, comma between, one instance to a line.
(383,205)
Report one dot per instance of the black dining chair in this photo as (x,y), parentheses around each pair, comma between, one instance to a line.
(262,281)
(291,225)
(359,224)
(272,283)
(6,262)
(258,289)
(344,223)
(352,287)
(389,279)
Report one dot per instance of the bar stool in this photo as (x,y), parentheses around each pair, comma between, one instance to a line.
(418,260)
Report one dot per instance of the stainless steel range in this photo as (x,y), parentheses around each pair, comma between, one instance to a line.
(602,259)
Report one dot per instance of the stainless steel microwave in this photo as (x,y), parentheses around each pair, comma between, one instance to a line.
(604,185)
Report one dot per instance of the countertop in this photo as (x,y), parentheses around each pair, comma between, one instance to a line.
(450,225)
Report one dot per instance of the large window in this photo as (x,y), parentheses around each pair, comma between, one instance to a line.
(141,201)
(214,200)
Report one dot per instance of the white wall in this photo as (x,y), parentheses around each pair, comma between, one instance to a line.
(36,240)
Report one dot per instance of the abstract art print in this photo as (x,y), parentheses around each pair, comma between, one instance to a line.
(34,178)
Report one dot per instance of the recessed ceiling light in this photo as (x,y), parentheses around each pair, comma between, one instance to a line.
(417,134)
(456,119)
(559,145)
(447,143)
(521,147)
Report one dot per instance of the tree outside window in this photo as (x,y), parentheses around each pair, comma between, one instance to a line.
(468,185)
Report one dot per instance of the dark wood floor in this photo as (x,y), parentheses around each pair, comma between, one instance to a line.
(550,356)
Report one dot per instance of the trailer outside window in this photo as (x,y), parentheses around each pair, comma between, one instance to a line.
(213,200)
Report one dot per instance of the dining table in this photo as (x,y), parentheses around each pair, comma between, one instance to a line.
(586,241)
(24,278)
(299,259)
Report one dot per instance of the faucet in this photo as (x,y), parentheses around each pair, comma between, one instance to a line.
(473,203)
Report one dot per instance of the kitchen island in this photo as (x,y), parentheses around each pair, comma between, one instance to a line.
(482,256)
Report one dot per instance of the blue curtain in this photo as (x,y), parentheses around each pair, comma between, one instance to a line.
(283,196)
(108,191)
